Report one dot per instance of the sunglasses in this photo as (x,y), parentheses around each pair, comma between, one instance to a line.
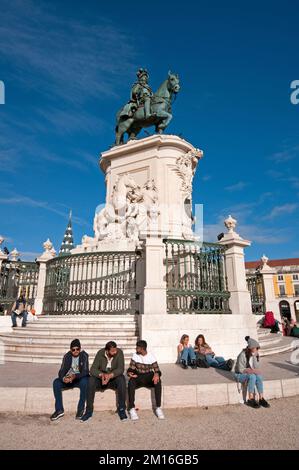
(75,349)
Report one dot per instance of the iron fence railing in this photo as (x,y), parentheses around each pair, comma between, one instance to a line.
(195,277)
(92,283)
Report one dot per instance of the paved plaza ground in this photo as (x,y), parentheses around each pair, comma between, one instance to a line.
(227,427)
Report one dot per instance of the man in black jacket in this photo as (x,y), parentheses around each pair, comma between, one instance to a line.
(74,372)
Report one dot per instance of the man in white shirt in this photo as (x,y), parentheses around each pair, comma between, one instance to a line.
(144,372)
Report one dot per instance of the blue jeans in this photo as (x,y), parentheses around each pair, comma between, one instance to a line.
(188,355)
(59,385)
(14,317)
(253,381)
(216,361)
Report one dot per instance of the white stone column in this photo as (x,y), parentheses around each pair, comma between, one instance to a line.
(3,256)
(270,298)
(48,254)
(154,293)
(239,302)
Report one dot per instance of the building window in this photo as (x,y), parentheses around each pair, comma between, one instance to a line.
(296,289)
(295,277)
(282,290)
(280,278)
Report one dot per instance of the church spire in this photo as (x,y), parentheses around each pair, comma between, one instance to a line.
(68,242)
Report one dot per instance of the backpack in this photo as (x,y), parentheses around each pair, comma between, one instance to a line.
(201,361)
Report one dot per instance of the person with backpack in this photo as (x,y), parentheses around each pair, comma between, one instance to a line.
(202,348)
(247,370)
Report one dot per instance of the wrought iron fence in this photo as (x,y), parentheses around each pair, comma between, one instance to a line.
(195,277)
(255,286)
(92,283)
(17,277)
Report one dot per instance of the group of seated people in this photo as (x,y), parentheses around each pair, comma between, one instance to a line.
(201,355)
(289,325)
(246,368)
(107,372)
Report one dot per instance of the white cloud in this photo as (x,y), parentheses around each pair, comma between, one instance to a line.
(27,201)
(283,209)
(237,186)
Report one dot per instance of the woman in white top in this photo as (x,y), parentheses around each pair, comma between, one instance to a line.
(186,353)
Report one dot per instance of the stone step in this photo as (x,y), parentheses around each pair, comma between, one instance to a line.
(270,340)
(86,318)
(76,327)
(263,332)
(73,333)
(284,345)
(45,339)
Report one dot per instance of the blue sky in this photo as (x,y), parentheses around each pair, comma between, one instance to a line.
(68,67)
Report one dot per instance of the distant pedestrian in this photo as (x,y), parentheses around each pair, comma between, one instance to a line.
(19,311)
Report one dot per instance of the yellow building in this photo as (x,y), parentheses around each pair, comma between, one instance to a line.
(285,283)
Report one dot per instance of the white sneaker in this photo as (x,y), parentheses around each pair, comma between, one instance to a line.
(133,414)
(159,413)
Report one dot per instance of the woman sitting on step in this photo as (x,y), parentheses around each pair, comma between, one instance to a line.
(218,362)
(247,371)
(186,354)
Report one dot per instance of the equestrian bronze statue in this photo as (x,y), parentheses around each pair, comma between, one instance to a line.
(146,108)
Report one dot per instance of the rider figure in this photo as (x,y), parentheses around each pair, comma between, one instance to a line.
(141,92)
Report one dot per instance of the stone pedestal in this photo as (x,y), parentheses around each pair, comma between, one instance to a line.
(48,254)
(149,193)
(239,302)
(267,273)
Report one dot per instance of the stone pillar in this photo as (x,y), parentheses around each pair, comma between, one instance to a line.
(239,302)
(3,256)
(270,299)
(154,293)
(48,254)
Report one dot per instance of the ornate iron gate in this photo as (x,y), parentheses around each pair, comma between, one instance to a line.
(256,288)
(17,277)
(92,283)
(195,278)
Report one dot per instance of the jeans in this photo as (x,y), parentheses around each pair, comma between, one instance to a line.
(22,315)
(59,386)
(95,384)
(144,380)
(216,361)
(188,355)
(253,381)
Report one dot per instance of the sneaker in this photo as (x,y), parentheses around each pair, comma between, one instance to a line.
(230,364)
(14,326)
(133,414)
(159,413)
(264,403)
(184,364)
(79,414)
(56,415)
(252,403)
(193,365)
(122,415)
(85,417)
